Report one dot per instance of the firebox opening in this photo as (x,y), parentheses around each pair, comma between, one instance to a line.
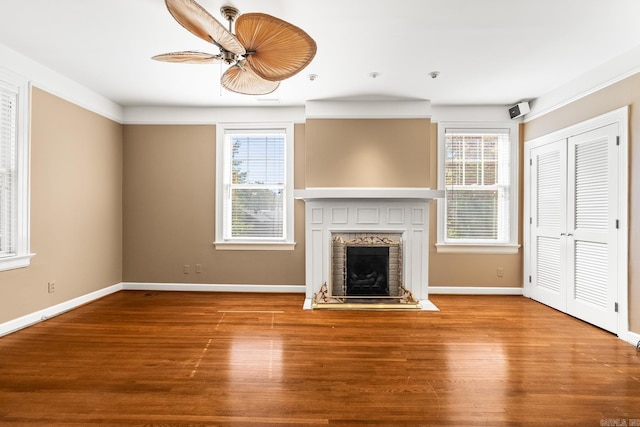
(367,270)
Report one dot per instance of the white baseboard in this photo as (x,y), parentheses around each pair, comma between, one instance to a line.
(308,304)
(633,338)
(202,287)
(470,290)
(46,313)
(428,305)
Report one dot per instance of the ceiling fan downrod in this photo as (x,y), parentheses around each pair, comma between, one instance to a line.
(230,13)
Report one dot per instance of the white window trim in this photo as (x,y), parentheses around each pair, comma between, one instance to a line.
(512,247)
(22,256)
(220,242)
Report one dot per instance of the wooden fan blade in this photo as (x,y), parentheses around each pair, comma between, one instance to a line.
(246,82)
(194,18)
(276,49)
(189,57)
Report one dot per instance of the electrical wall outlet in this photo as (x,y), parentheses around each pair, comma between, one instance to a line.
(500,272)
(198,268)
(185,269)
(51,287)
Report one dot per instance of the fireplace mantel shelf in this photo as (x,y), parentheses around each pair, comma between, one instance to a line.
(395,193)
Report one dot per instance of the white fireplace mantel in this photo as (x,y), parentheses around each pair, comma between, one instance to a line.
(368,210)
(315,193)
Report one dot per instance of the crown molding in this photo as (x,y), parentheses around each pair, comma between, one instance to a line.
(55,83)
(607,74)
(210,115)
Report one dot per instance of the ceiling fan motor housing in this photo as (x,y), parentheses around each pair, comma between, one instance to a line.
(228,57)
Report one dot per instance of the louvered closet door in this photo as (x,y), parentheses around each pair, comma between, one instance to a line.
(548,222)
(591,227)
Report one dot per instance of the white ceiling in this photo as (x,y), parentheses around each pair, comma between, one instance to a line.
(488,52)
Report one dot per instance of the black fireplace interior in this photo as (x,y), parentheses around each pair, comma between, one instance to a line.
(367,271)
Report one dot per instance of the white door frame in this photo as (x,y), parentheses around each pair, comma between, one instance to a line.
(621,118)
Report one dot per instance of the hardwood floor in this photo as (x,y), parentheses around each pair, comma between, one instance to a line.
(211,359)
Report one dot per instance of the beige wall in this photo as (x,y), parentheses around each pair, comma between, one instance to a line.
(626,92)
(76,208)
(169,215)
(368,152)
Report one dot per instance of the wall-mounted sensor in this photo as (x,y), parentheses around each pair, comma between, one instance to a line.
(519,110)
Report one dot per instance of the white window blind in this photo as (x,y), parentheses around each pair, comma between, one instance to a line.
(477,184)
(256,192)
(8,182)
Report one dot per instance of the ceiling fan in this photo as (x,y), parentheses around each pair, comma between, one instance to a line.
(263,51)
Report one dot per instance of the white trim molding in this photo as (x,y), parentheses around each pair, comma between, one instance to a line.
(452,248)
(471,113)
(46,313)
(210,287)
(393,193)
(473,290)
(59,85)
(605,75)
(633,338)
(210,115)
(254,246)
(55,310)
(19,254)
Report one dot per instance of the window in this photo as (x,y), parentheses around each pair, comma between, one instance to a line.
(478,172)
(14,161)
(255,187)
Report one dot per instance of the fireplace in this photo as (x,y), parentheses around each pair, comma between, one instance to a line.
(366,265)
(366,244)
(367,271)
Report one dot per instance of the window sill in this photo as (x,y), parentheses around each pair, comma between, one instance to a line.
(453,248)
(254,246)
(16,261)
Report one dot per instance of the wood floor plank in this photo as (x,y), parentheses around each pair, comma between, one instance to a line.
(221,359)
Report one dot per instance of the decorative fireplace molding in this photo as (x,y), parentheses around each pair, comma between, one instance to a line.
(400,211)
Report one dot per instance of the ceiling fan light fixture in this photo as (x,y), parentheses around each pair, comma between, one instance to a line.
(264,50)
